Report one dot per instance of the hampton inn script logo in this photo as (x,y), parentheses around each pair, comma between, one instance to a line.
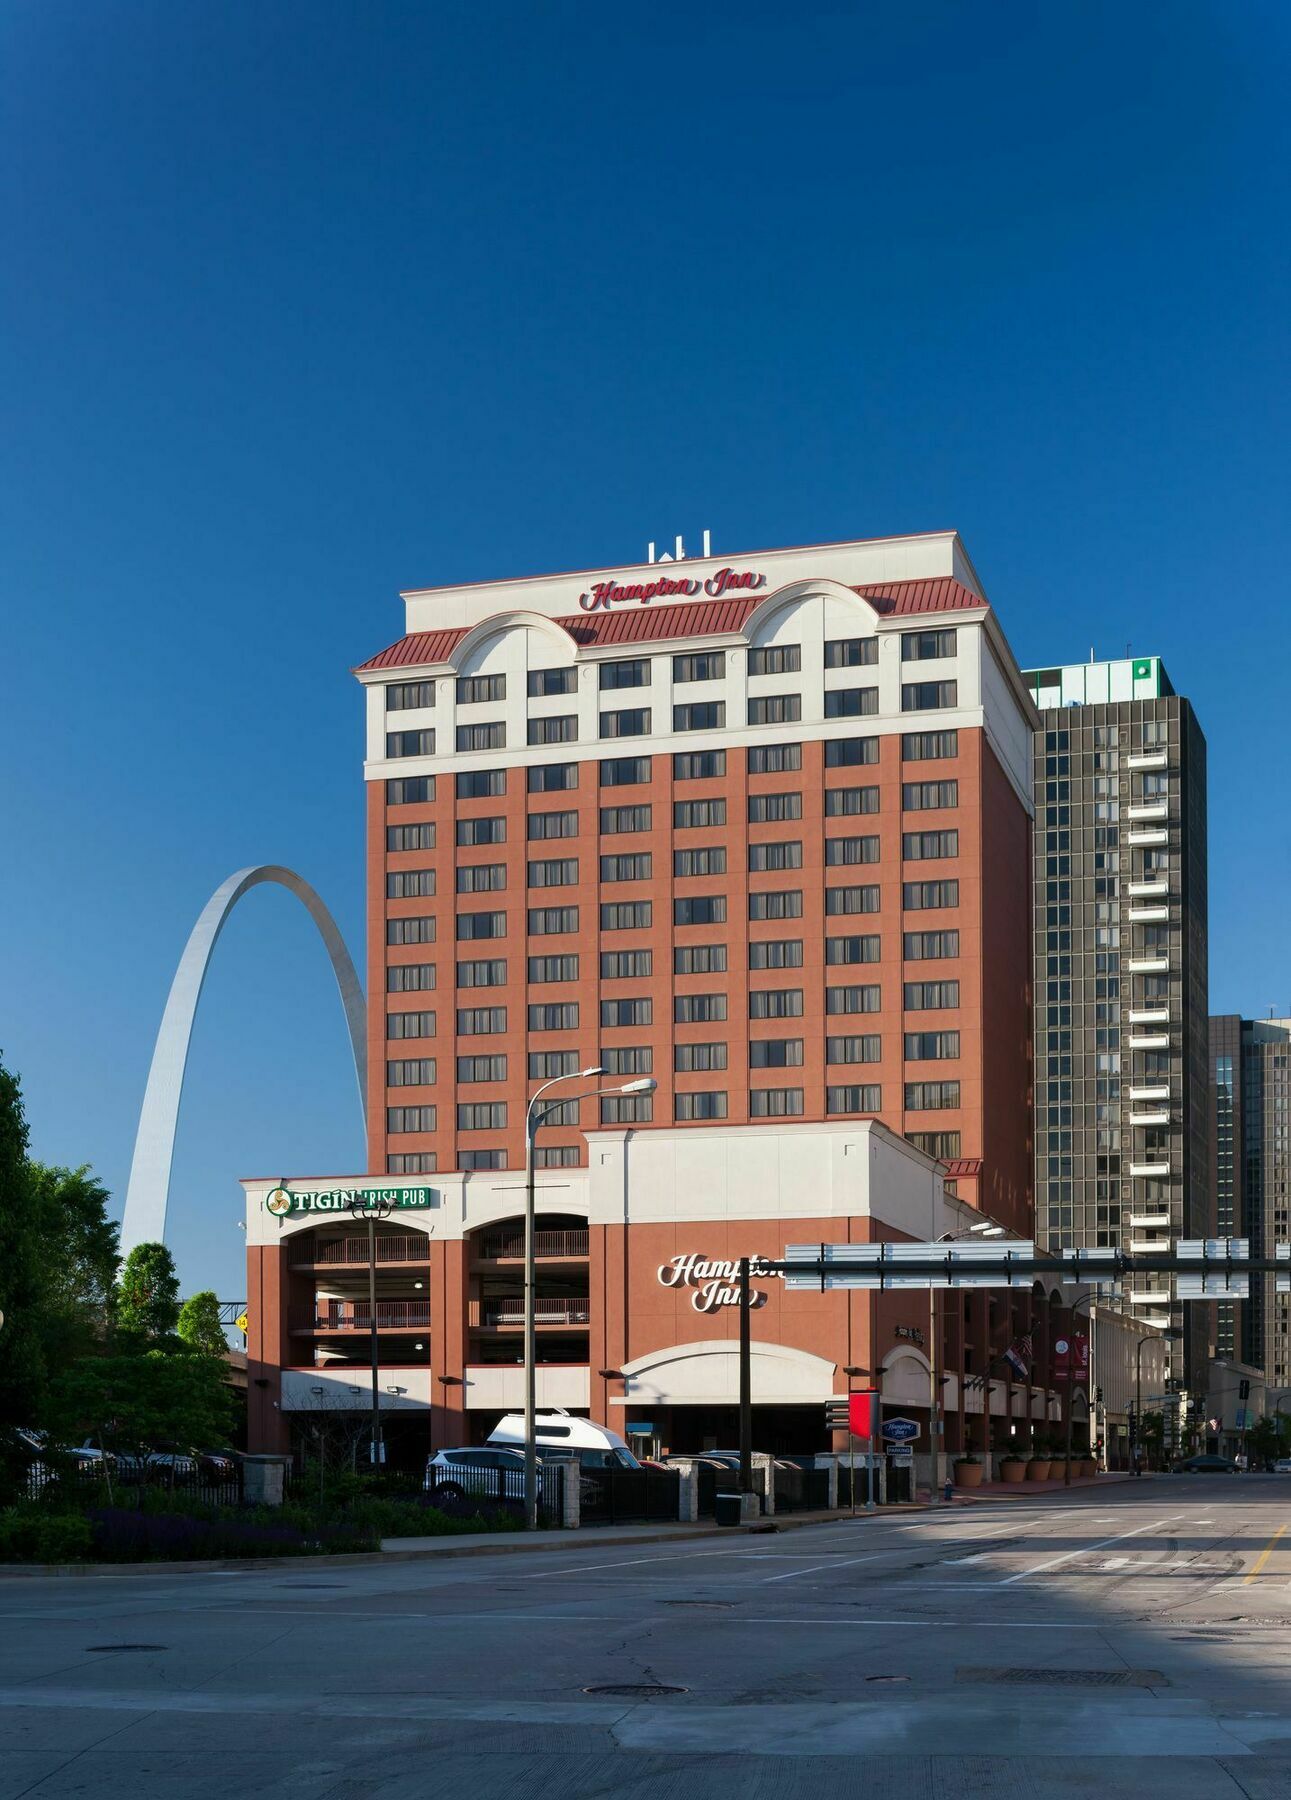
(715,1283)
(604,594)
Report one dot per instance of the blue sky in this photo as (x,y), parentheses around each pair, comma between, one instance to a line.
(307,302)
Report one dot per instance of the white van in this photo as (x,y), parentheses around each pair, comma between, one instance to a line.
(594,1446)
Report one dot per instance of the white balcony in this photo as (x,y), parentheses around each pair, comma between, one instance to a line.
(1150,1015)
(1149,1245)
(1158,1320)
(1148,965)
(1154,1221)
(1149,915)
(1150,1170)
(1161,1092)
(1150,1296)
(1147,834)
(1146,759)
(1148,890)
(1148,809)
(1158,1116)
(1152,1041)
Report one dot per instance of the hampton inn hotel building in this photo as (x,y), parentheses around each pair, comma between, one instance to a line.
(759,827)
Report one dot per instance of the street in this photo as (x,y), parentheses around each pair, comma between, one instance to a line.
(1131,1641)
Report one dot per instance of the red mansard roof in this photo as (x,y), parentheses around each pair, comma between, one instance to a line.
(941,594)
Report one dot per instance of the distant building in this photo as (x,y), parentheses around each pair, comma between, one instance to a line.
(1121,1032)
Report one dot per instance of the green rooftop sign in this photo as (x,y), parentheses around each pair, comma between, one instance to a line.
(284,1203)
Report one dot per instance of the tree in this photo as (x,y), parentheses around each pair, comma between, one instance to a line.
(79,1261)
(199,1324)
(141,1401)
(1267,1438)
(23,1368)
(148,1295)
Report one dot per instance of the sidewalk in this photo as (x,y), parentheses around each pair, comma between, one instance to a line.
(1027,1490)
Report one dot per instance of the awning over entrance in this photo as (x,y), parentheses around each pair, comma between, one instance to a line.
(706,1373)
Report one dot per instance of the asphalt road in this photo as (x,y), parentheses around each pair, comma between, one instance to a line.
(1135,1641)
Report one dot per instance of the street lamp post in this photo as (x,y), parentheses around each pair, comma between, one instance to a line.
(1154,1337)
(983,1228)
(535,1117)
(373,1209)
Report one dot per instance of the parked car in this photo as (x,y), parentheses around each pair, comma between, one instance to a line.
(593,1446)
(222,1464)
(1282,1466)
(1206,1465)
(455,1475)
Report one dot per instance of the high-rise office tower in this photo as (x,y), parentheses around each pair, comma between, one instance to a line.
(1121,1037)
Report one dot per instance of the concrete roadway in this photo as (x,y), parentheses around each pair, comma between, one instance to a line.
(1133,1641)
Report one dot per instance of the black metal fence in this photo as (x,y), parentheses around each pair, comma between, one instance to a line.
(713,1479)
(615,1496)
(800,1490)
(463,1490)
(125,1481)
(867,1484)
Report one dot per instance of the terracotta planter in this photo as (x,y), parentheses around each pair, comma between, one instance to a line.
(1088,1468)
(1038,1468)
(1013,1471)
(968,1474)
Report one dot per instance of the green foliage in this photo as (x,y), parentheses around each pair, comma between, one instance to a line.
(199,1324)
(23,1366)
(148,1295)
(79,1261)
(138,1401)
(1269,1438)
(33,1534)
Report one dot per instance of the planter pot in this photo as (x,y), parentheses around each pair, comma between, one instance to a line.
(1013,1471)
(1088,1468)
(1038,1469)
(968,1474)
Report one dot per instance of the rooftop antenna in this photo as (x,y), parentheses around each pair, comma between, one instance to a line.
(650,551)
(1091,653)
(680,549)
(708,542)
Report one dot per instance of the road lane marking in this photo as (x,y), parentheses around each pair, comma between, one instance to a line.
(1265,1554)
(1088,1549)
(793,1574)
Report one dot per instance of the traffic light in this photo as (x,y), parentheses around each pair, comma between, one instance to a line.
(1243,1389)
(1098,1396)
(836,1415)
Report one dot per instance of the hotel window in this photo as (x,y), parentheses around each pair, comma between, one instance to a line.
(698,765)
(410,743)
(774,759)
(775,1103)
(699,959)
(846,753)
(482,1115)
(931,1096)
(411,790)
(842,852)
(843,950)
(699,715)
(866,1099)
(626,1059)
(632,674)
(616,819)
(931,1046)
(710,861)
(409,1118)
(545,682)
(561,871)
(549,1065)
(786,855)
(556,1156)
(929,796)
(634,721)
(410,1025)
(775,1003)
(776,709)
(851,653)
(922,896)
(625,771)
(558,729)
(615,1013)
(865,1049)
(410,978)
(927,846)
(481,831)
(842,900)
(481,1068)
(928,746)
(698,1059)
(626,965)
(550,921)
(490,972)
(473,689)
(776,659)
(852,999)
(553,825)
(926,946)
(851,703)
(775,953)
(554,1018)
(626,915)
(923,696)
(931,996)
(410,837)
(707,1105)
(846,803)
(627,1109)
(704,665)
(482,784)
(553,778)
(775,1053)
(944,1145)
(413,1071)
(689,815)
(698,1009)
(469,1160)
(410,884)
(481,925)
(412,1162)
(627,868)
(774,809)
(481,1021)
(481,878)
(409,696)
(922,646)
(553,968)
(701,909)
(410,931)
(481,737)
(785,903)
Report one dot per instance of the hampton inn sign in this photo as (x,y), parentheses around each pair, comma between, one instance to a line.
(715,1283)
(604,594)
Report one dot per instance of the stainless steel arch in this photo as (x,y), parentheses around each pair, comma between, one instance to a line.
(154,1145)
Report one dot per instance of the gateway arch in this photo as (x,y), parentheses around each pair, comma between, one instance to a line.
(154,1146)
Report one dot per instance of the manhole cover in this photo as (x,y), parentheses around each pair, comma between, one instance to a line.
(711,1604)
(293,1585)
(887,1678)
(1065,1677)
(115,1647)
(635,1690)
(1199,1637)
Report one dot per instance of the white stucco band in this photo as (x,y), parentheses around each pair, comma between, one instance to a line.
(706,1373)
